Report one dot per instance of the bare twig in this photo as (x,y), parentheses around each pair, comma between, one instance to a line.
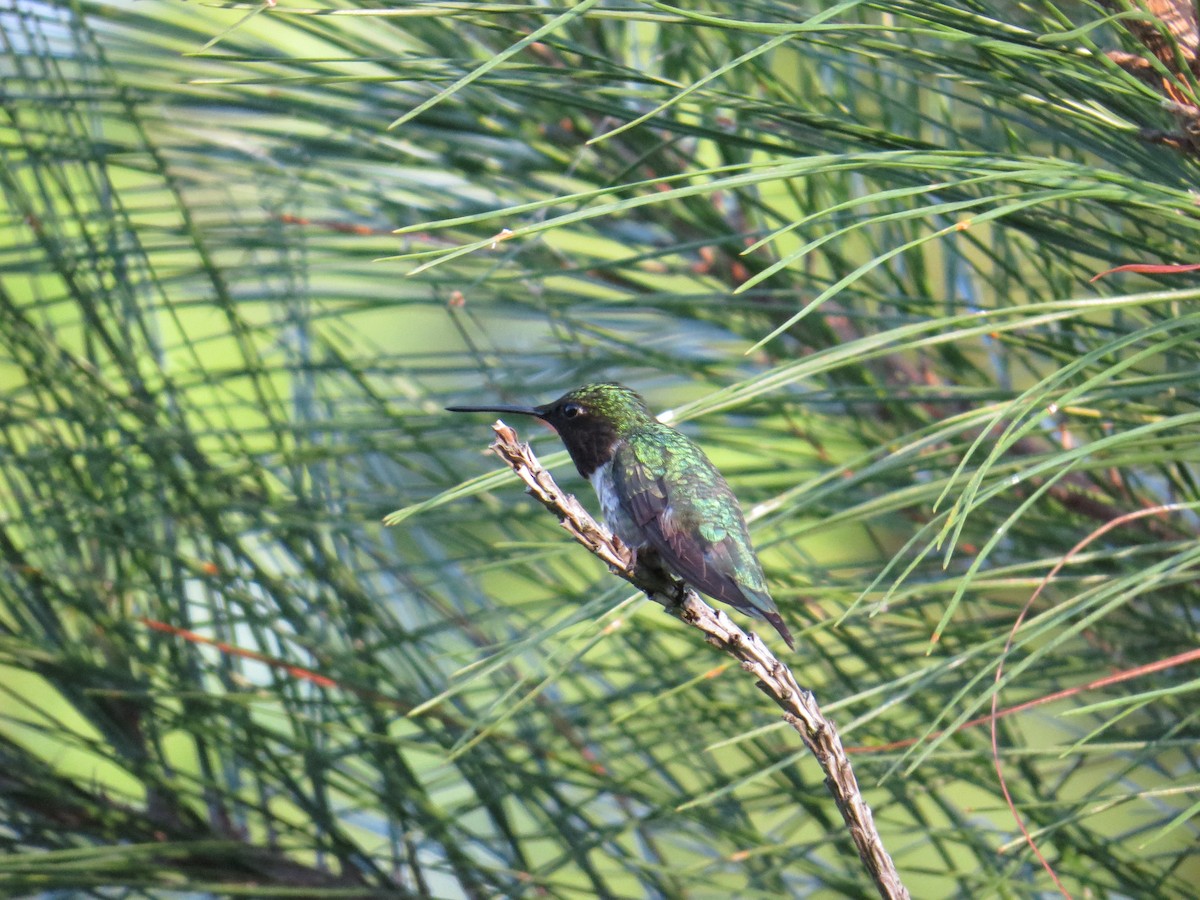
(799,707)
(1170,30)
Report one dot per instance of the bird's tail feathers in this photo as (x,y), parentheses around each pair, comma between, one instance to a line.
(761,606)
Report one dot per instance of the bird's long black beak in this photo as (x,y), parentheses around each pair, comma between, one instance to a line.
(535,411)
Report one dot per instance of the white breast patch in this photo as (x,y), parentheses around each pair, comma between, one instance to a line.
(610,507)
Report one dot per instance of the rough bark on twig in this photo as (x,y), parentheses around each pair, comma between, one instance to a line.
(800,708)
(1171,32)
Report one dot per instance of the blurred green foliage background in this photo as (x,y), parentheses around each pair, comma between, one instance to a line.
(847,247)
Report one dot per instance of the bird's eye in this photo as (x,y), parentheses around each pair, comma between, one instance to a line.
(571,410)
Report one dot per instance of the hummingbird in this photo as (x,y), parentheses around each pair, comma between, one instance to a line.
(658,493)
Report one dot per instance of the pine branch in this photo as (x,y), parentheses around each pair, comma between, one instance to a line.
(776,680)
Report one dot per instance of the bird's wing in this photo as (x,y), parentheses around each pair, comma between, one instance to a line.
(694,522)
